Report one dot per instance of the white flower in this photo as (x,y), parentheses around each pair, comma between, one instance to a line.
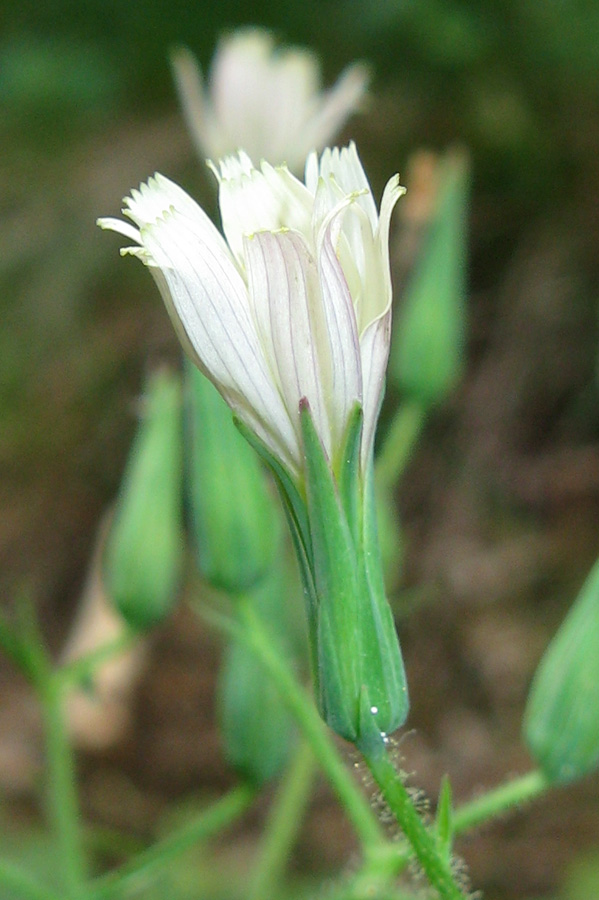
(263,99)
(293,302)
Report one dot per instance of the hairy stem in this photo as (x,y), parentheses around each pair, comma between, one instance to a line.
(500,800)
(423,842)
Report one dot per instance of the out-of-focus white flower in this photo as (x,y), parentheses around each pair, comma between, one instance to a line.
(264,100)
(293,302)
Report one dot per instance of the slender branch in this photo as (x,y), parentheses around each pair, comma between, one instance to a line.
(500,800)
(309,722)
(63,808)
(283,824)
(219,816)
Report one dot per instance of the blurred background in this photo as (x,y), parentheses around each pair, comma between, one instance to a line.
(500,506)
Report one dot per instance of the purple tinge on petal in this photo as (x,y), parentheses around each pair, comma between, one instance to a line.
(287,308)
(346,370)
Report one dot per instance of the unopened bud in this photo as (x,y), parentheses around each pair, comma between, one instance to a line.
(144,547)
(427,352)
(234,520)
(561,723)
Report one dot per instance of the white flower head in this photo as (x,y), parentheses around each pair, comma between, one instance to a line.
(265,99)
(293,302)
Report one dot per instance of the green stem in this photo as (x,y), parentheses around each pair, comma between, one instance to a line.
(62,790)
(398,445)
(157,857)
(309,722)
(498,801)
(283,824)
(13,879)
(435,864)
(470,815)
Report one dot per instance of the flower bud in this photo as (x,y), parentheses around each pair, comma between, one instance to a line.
(144,548)
(561,722)
(428,346)
(234,521)
(255,726)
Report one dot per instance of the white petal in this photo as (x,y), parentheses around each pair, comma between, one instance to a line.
(336,106)
(198,113)
(240,82)
(289,106)
(285,293)
(374,348)
(210,300)
(345,387)
(266,200)
(124,228)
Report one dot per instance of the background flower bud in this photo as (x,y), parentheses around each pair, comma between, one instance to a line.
(428,344)
(561,722)
(144,548)
(234,520)
(256,729)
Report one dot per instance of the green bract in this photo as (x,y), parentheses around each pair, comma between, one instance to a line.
(144,546)
(561,723)
(356,660)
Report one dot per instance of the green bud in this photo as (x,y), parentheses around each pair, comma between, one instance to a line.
(255,726)
(234,521)
(561,722)
(427,352)
(144,546)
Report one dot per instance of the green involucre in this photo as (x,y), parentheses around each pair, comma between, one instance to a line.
(354,646)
